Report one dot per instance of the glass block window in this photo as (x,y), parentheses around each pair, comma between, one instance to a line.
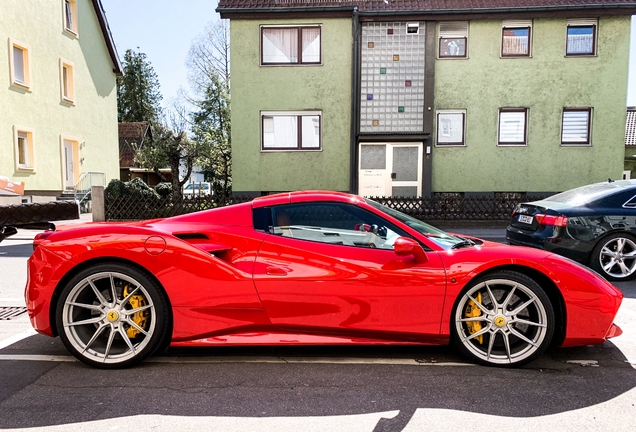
(575,128)
(453,39)
(286,131)
(581,37)
(450,127)
(390,60)
(513,126)
(516,38)
(290,45)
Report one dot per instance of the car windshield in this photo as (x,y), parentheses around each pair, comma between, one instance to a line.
(585,194)
(438,236)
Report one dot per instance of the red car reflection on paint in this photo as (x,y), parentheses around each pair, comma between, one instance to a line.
(306,268)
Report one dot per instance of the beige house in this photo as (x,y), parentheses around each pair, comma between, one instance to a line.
(58,98)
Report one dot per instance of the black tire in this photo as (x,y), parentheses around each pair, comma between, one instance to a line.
(614,257)
(112,316)
(503,332)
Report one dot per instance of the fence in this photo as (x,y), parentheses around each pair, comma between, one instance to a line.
(451,208)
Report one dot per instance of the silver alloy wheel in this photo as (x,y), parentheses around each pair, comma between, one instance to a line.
(508,325)
(99,317)
(617,257)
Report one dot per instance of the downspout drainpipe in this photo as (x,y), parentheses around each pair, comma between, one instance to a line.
(355,103)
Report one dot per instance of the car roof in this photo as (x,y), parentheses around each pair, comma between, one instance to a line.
(305,196)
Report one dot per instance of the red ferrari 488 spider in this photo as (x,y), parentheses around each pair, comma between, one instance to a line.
(306,268)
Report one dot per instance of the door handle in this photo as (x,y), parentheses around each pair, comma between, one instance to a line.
(393,176)
(275,271)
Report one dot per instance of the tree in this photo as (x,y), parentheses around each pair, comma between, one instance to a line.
(170,147)
(209,66)
(212,128)
(138,95)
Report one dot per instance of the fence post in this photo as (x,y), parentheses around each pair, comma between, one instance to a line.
(99,204)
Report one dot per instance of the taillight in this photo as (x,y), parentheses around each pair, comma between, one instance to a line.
(40,237)
(543,219)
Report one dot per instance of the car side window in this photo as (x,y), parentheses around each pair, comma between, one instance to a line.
(334,223)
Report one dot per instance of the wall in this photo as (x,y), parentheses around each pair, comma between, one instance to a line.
(545,84)
(93,119)
(256,88)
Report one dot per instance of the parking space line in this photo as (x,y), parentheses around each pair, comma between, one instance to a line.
(246,359)
(16,338)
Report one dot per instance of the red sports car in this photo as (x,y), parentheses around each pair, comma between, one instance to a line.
(307,268)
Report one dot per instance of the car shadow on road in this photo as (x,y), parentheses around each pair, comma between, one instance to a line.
(212,382)
(16,250)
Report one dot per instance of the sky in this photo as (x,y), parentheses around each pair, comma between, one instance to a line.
(164,30)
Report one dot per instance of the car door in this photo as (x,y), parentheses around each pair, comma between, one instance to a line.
(330,267)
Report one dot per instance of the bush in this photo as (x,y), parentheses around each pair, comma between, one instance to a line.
(135,187)
(164,190)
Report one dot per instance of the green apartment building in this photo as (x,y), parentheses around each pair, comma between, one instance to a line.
(411,98)
(58,101)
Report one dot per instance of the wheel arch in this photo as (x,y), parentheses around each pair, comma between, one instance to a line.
(550,288)
(605,235)
(94,261)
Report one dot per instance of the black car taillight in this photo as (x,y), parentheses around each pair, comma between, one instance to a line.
(543,219)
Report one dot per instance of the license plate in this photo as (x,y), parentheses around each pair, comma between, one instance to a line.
(526,219)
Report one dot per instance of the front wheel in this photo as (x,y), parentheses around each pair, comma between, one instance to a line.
(614,257)
(112,316)
(503,319)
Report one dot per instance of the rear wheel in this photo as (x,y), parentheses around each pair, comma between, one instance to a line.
(503,319)
(112,316)
(614,257)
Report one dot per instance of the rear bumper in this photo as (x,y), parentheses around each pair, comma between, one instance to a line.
(551,239)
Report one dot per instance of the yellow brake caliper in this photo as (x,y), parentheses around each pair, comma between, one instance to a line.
(473,311)
(140,318)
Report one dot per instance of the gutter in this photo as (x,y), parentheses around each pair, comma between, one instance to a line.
(354,9)
(355,103)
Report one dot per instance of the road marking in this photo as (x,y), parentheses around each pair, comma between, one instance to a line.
(246,359)
(16,338)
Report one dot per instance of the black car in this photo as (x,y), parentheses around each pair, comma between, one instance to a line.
(594,225)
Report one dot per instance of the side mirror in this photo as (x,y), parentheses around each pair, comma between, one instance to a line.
(404,246)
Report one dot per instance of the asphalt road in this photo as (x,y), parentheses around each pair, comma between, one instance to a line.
(311,388)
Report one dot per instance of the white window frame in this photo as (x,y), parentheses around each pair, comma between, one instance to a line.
(67,82)
(590,22)
(516,24)
(440,135)
(299,115)
(24,133)
(299,61)
(452,30)
(588,141)
(26,65)
(70,6)
(501,143)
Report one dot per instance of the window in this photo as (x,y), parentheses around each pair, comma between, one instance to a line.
(453,39)
(70,16)
(575,126)
(296,130)
(512,126)
(24,157)
(450,127)
(290,45)
(581,37)
(516,38)
(334,223)
(20,70)
(67,81)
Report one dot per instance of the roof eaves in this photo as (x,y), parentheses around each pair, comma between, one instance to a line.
(108,37)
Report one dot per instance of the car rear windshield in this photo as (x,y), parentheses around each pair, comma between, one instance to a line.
(586,194)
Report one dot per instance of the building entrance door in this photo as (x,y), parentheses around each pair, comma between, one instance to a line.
(69,164)
(390,169)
